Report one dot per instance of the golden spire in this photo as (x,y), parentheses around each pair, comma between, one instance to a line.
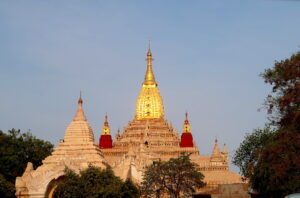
(186,125)
(149,76)
(79,116)
(105,128)
(149,104)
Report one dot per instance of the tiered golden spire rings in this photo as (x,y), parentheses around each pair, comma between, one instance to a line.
(149,77)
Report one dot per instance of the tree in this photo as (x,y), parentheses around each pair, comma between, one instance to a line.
(276,168)
(128,189)
(7,189)
(16,149)
(95,182)
(249,151)
(284,101)
(177,176)
(277,172)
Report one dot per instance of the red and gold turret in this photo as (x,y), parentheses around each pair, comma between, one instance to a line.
(105,140)
(186,136)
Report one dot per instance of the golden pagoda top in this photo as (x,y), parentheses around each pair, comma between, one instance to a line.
(186,125)
(149,77)
(149,104)
(105,128)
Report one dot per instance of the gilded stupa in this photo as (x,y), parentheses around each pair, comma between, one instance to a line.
(149,104)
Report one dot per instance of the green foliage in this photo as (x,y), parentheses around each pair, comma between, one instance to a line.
(284,101)
(249,151)
(7,189)
(277,172)
(16,149)
(178,176)
(128,189)
(272,163)
(94,182)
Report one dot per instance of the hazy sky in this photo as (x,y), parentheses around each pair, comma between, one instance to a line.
(208,57)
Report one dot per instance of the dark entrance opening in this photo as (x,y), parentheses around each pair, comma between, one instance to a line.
(202,196)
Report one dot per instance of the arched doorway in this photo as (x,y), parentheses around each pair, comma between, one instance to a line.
(52,186)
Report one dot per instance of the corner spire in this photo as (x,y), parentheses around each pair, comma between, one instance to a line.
(186,136)
(225,149)
(216,150)
(105,140)
(149,77)
(79,116)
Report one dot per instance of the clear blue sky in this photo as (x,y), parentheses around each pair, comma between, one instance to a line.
(208,57)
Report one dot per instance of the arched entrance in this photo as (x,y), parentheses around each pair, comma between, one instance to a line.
(52,186)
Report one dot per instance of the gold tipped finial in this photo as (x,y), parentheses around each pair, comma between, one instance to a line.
(149,77)
(105,128)
(186,125)
(149,49)
(79,116)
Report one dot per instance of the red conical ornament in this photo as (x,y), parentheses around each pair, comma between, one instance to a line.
(186,136)
(105,141)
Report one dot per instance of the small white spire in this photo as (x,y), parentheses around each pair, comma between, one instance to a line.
(225,149)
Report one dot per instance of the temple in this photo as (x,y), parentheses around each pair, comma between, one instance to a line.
(146,138)
(149,137)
